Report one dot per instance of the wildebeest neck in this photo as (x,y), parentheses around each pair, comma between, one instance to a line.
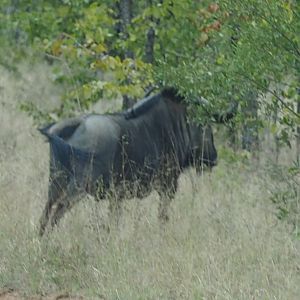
(141,107)
(147,103)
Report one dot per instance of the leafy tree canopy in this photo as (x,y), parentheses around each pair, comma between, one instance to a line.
(217,50)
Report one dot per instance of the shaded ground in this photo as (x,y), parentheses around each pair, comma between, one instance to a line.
(13,295)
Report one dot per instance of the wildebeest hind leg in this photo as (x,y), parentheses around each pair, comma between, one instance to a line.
(163,209)
(45,217)
(55,191)
(65,203)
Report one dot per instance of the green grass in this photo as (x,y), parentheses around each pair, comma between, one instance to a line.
(223,240)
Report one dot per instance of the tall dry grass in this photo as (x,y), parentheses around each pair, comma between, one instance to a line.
(223,240)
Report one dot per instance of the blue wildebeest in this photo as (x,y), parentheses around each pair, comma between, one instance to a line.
(143,148)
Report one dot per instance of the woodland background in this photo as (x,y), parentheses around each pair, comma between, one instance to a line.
(234,233)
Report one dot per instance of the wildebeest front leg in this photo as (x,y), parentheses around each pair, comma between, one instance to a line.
(167,192)
(115,209)
(163,209)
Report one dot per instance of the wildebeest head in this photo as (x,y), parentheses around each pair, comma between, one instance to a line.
(203,148)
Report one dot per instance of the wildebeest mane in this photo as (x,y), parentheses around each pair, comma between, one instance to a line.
(147,103)
(172,93)
(141,107)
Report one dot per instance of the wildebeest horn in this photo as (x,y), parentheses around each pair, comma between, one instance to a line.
(149,90)
(201,101)
(218,117)
(227,115)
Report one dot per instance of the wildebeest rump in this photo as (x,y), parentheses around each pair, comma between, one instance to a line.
(142,148)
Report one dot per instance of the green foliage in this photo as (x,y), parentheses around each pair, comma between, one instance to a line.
(37,115)
(219,51)
(231,157)
(286,193)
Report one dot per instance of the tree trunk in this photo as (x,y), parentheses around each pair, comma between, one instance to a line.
(14,5)
(125,14)
(276,138)
(149,51)
(150,46)
(250,139)
(125,7)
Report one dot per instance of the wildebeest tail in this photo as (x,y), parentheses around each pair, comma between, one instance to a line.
(60,151)
(68,157)
(44,130)
(63,129)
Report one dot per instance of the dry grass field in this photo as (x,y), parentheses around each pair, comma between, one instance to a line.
(223,240)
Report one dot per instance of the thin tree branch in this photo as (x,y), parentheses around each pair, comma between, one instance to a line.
(71,75)
(178,54)
(274,94)
(295,46)
(78,44)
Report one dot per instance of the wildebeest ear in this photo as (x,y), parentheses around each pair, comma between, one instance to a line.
(226,116)
(172,94)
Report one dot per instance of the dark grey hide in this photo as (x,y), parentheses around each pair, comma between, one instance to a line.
(131,153)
